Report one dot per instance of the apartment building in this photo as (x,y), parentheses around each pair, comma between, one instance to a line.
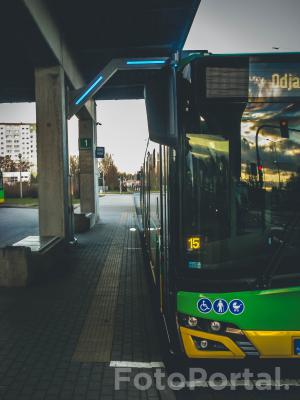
(19,138)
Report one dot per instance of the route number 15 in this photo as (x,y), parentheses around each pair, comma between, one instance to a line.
(193,243)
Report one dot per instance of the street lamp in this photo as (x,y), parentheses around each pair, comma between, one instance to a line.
(284,131)
(258,161)
(103,181)
(20,170)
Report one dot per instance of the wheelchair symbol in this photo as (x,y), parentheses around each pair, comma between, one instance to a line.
(204,305)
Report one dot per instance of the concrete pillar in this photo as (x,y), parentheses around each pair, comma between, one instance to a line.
(88,165)
(52,153)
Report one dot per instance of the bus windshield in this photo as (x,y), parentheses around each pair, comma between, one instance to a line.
(241,201)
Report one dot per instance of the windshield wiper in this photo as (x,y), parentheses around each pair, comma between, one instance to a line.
(266,277)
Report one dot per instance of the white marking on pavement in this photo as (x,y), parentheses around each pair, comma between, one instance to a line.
(134,364)
(241,383)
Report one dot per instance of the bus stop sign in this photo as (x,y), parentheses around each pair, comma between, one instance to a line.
(100,151)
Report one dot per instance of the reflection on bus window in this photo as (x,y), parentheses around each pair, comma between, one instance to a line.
(206,185)
(244,216)
(272,204)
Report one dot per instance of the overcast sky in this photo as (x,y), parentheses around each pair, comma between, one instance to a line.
(220,26)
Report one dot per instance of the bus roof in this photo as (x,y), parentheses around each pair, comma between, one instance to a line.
(189,55)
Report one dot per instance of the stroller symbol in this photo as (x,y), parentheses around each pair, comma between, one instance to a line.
(236,307)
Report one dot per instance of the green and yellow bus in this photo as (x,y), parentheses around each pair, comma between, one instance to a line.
(220,204)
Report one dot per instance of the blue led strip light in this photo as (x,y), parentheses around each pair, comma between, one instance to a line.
(78,101)
(145,62)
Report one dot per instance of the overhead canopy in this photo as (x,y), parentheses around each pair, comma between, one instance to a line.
(84,36)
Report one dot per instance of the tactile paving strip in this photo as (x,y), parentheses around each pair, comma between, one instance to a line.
(96,338)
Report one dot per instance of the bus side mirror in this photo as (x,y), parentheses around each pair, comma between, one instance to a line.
(161,107)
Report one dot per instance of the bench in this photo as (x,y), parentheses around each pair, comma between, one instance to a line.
(28,260)
(83,222)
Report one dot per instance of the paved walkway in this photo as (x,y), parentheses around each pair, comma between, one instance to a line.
(58,339)
(62,340)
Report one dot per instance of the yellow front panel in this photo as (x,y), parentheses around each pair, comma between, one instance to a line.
(192,352)
(274,344)
(269,344)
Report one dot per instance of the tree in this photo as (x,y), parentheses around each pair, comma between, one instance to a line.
(33,178)
(126,176)
(106,163)
(108,168)
(7,164)
(112,178)
(74,171)
(24,165)
(74,165)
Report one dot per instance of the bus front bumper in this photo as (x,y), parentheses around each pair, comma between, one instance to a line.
(263,344)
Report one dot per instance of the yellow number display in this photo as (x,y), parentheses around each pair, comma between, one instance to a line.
(193,243)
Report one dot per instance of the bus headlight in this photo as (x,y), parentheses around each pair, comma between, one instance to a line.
(192,321)
(215,326)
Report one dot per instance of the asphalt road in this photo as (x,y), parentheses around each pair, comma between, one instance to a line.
(17,223)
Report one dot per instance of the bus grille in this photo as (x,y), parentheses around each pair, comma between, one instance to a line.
(247,348)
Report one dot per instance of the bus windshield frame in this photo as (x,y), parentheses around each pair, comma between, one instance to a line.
(245,229)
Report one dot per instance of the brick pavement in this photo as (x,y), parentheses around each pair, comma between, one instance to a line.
(41,326)
(48,331)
